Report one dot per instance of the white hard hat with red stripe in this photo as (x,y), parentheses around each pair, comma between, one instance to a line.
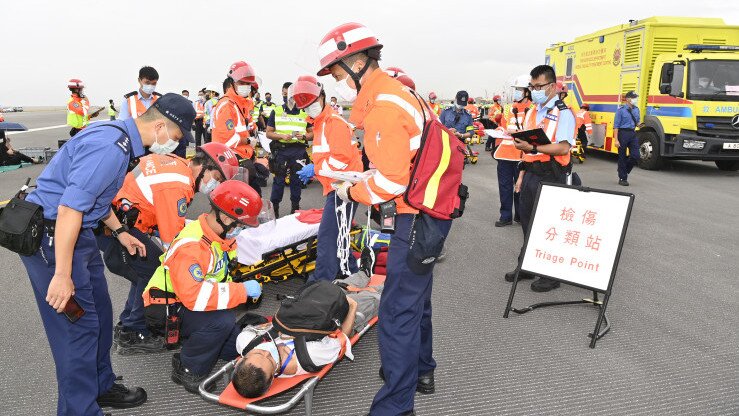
(75,83)
(343,41)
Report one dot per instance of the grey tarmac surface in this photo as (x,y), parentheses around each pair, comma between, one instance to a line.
(673,347)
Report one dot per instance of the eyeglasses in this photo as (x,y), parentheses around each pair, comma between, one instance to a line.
(539,87)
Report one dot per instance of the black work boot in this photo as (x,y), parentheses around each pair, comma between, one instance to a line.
(277,209)
(121,397)
(425,382)
(544,285)
(521,276)
(295,207)
(181,375)
(133,342)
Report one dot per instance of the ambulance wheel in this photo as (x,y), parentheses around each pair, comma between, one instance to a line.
(649,157)
(728,165)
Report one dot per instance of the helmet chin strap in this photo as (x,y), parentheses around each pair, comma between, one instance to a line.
(356,76)
(199,178)
(226,228)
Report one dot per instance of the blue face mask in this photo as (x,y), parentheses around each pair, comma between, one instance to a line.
(235,231)
(539,97)
(517,95)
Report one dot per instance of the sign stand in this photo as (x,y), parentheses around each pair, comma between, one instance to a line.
(599,269)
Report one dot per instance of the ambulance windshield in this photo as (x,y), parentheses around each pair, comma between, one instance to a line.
(714,80)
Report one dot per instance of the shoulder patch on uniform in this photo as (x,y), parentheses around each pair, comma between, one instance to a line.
(76,104)
(551,116)
(561,105)
(130,94)
(196,272)
(182,207)
(124,143)
(230,124)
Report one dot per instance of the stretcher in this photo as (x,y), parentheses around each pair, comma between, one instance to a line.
(307,382)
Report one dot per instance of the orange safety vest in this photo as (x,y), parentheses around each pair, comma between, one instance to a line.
(473,110)
(333,147)
(199,109)
(583,119)
(385,104)
(134,103)
(161,188)
(549,125)
(436,108)
(495,113)
(231,118)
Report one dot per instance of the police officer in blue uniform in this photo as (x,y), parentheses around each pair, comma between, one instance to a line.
(457,118)
(75,191)
(624,125)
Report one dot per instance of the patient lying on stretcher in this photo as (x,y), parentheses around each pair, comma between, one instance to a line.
(254,374)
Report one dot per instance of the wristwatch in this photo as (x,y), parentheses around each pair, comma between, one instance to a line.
(117,232)
(533,149)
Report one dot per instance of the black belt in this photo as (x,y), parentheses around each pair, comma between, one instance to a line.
(50,226)
(627,129)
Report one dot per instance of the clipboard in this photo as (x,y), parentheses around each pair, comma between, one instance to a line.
(535,136)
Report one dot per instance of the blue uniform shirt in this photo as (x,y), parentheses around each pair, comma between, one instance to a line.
(623,120)
(565,124)
(88,171)
(462,121)
(125,112)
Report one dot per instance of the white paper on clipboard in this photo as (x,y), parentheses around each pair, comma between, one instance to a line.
(348,176)
(264,141)
(497,134)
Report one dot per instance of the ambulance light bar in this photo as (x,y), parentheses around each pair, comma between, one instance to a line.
(697,47)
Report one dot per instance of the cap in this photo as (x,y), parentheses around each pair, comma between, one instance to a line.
(462,97)
(179,110)
(632,94)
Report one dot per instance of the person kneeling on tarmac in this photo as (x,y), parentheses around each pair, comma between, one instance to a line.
(193,279)
(277,357)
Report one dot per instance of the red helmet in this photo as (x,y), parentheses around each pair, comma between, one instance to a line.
(496,98)
(241,71)
(305,90)
(237,200)
(223,157)
(471,100)
(345,40)
(75,83)
(401,76)
(432,95)
(585,106)
(561,87)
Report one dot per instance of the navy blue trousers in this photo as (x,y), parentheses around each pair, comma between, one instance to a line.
(132,316)
(327,260)
(404,328)
(208,336)
(287,157)
(507,176)
(81,350)
(627,140)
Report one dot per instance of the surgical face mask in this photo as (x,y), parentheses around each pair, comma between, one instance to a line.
(234,232)
(314,109)
(272,349)
(346,92)
(163,149)
(207,188)
(539,97)
(148,88)
(634,101)
(517,95)
(243,90)
(432,100)
(268,99)
(201,98)
(458,106)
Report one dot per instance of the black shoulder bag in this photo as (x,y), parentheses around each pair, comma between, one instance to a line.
(21,224)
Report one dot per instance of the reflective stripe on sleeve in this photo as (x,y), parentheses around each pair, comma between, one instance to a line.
(206,289)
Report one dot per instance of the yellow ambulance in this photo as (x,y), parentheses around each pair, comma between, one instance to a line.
(686,72)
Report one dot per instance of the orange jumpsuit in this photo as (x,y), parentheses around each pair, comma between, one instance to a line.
(332,146)
(231,119)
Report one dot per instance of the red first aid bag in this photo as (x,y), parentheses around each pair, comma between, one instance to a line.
(435,186)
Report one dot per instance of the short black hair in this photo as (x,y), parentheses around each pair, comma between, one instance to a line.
(545,70)
(185,91)
(227,83)
(148,72)
(249,380)
(287,85)
(333,98)
(110,101)
(267,93)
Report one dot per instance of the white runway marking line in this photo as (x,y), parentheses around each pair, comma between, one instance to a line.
(47,128)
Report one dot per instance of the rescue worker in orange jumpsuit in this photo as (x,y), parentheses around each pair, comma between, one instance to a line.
(194,279)
(333,151)
(507,155)
(232,117)
(545,163)
(153,203)
(495,115)
(388,113)
(584,126)
(472,108)
(435,107)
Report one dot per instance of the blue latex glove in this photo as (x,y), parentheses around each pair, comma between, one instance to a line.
(253,288)
(307,173)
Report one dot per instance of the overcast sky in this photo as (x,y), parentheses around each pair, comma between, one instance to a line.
(444,46)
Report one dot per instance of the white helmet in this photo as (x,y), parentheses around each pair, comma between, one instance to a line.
(213,88)
(521,81)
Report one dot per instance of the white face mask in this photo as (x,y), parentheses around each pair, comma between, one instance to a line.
(314,110)
(208,187)
(346,92)
(634,101)
(243,90)
(148,89)
(201,98)
(517,95)
(163,149)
